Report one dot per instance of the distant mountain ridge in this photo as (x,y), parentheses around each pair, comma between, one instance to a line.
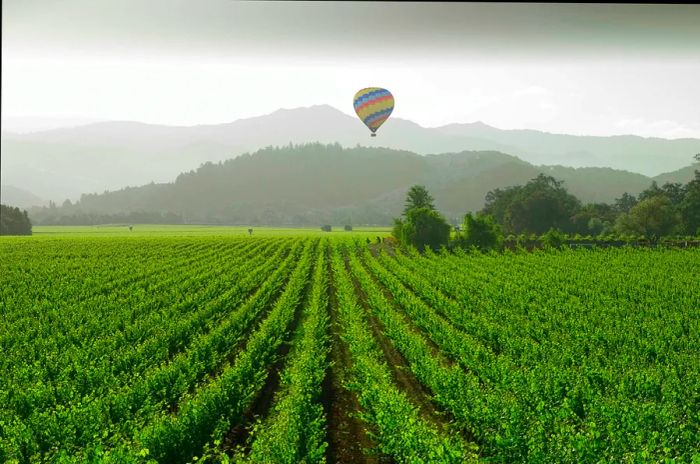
(318,183)
(64,163)
(17,197)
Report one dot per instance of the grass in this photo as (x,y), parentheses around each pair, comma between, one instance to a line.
(141,230)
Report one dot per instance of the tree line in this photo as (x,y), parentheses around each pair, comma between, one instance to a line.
(543,207)
(13,221)
(92,219)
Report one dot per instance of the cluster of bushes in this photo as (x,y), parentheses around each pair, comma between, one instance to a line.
(540,215)
(543,204)
(328,228)
(422,226)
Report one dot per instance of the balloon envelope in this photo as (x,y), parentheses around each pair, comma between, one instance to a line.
(373,106)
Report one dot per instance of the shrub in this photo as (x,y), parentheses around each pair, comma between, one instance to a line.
(481,232)
(422,228)
(554,238)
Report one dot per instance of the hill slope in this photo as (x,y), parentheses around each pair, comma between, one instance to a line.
(64,163)
(316,183)
(13,196)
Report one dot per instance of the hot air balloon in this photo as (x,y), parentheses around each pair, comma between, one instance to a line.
(373,105)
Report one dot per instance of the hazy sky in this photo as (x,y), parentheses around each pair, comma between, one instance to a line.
(569,68)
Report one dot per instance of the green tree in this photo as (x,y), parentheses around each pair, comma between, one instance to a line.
(480,231)
(418,197)
(652,191)
(397,231)
(14,222)
(498,201)
(424,227)
(654,218)
(625,203)
(591,217)
(554,238)
(690,206)
(597,226)
(674,191)
(543,203)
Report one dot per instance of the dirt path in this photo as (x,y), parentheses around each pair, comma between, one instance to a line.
(262,402)
(347,435)
(444,416)
(417,393)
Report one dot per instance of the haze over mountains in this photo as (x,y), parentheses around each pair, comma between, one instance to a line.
(315,183)
(67,162)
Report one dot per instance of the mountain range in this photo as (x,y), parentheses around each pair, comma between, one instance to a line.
(67,162)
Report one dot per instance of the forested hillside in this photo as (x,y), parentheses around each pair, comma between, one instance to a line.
(316,183)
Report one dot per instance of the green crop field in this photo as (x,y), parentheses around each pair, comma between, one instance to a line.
(205,344)
(151,230)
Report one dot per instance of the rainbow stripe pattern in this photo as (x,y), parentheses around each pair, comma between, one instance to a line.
(373,106)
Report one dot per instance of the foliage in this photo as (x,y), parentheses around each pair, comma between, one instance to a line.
(294,431)
(158,349)
(480,231)
(424,228)
(397,230)
(584,401)
(690,206)
(537,206)
(653,218)
(13,221)
(401,432)
(543,204)
(88,219)
(554,238)
(421,225)
(594,218)
(625,203)
(418,197)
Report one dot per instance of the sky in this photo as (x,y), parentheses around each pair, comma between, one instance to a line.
(596,69)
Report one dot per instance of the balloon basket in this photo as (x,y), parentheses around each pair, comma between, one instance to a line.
(373,134)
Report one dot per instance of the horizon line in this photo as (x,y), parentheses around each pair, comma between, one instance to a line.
(94,121)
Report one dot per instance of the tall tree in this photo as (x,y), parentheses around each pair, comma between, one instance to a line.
(675,191)
(423,228)
(690,206)
(418,197)
(625,203)
(590,219)
(498,201)
(652,191)
(536,207)
(654,218)
(14,222)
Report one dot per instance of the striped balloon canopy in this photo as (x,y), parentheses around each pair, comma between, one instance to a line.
(373,105)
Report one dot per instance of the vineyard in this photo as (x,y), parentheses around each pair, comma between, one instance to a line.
(289,349)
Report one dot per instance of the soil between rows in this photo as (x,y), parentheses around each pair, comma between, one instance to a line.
(417,393)
(347,435)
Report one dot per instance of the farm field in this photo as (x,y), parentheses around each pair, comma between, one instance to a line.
(151,230)
(189,345)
